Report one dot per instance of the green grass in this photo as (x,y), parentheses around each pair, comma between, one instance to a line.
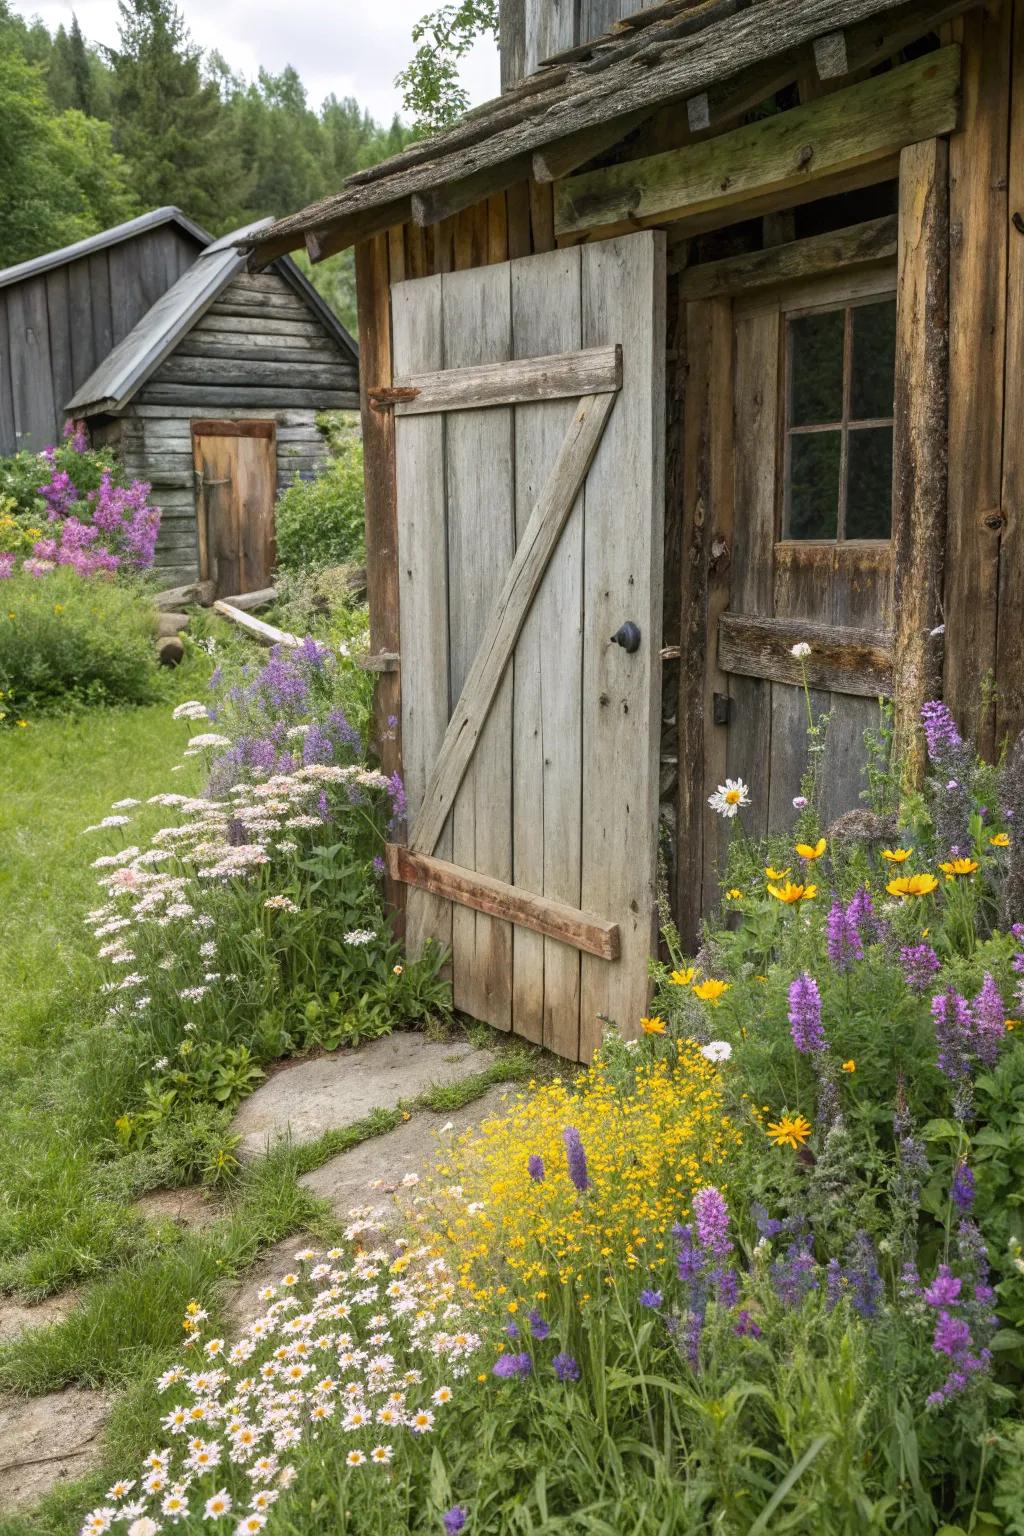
(67,1211)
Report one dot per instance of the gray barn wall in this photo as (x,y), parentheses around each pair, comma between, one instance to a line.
(56,328)
(259,352)
(532,30)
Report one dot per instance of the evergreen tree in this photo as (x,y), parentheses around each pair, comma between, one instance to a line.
(167,117)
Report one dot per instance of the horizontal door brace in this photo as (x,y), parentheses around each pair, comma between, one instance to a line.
(580,930)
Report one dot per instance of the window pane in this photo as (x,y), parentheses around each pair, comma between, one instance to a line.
(816,369)
(874,354)
(869,483)
(813,502)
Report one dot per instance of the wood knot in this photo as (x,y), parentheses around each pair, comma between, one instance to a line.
(994,521)
(804,156)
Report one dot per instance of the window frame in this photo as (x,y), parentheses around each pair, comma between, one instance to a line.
(840,290)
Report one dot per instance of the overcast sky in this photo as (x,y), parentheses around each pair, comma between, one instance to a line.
(351,47)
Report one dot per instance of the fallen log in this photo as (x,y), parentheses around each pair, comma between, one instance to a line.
(266,633)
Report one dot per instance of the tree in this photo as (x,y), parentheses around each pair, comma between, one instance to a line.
(168,120)
(431,89)
(71,73)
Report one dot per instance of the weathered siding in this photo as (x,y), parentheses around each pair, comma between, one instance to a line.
(532,30)
(56,327)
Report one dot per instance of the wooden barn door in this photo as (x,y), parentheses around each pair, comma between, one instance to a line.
(236,481)
(801,428)
(529,449)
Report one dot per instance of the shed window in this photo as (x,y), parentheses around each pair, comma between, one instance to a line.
(838,414)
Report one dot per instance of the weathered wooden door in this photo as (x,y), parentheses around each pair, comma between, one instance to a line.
(236,477)
(805,543)
(529,454)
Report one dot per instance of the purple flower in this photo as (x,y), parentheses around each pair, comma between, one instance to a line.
(454,1520)
(691,1339)
(378,864)
(989,1018)
(535,1168)
(745,1327)
(954,1035)
(944,1290)
(538,1327)
(800,802)
(396,791)
(726,1285)
(651,1299)
(940,730)
(794,1275)
(843,938)
(566,1368)
(6,566)
(513,1366)
(805,1014)
(711,1215)
(861,913)
(962,1192)
(689,1261)
(338,725)
(576,1158)
(952,1335)
(866,1288)
(920,965)
(511,1330)
(833,1284)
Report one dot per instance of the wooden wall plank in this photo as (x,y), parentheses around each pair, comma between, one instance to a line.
(756,429)
(1010,646)
(382,549)
(546,763)
(35,410)
(476,318)
(8,437)
(978,228)
(624,301)
(919,441)
(857,246)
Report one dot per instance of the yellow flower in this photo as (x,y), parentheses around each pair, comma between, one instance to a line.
(396,970)
(711,990)
(1012,1023)
(954,867)
(22,724)
(777,874)
(790,893)
(897,855)
(653,1026)
(850,1066)
(807,852)
(683,978)
(1000,840)
(734,894)
(58,607)
(912,885)
(789,1131)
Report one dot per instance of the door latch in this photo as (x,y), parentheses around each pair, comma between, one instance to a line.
(628,636)
(721,707)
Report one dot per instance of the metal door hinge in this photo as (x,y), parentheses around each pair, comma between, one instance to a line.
(721,708)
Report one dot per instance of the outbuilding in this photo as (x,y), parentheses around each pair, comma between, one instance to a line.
(206,379)
(696,350)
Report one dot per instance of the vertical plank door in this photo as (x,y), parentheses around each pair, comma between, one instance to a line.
(528,445)
(236,477)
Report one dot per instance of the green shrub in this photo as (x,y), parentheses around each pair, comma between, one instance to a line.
(320,522)
(70,639)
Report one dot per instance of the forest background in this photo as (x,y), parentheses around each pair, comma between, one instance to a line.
(93,135)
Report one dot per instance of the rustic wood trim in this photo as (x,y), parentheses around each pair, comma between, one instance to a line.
(1010,635)
(858,661)
(469,716)
(436,203)
(381,510)
(386,661)
(233,429)
(814,146)
(830,58)
(543,915)
(357,227)
(869,244)
(382,399)
(567,375)
(563,156)
(920,443)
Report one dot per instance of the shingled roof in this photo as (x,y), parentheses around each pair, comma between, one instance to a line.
(734,51)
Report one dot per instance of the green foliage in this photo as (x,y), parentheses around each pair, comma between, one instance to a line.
(430,85)
(320,521)
(68,640)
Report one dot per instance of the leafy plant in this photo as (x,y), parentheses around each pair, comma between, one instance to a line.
(320,521)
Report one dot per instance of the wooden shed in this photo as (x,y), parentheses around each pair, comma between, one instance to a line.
(702,342)
(213,397)
(61,313)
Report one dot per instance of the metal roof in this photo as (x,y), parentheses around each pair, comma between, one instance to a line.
(100,242)
(137,356)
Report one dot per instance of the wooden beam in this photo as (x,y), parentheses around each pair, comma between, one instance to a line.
(267,634)
(360,224)
(920,443)
(830,58)
(1010,650)
(860,245)
(497,643)
(563,156)
(864,125)
(583,930)
(436,203)
(858,661)
(568,375)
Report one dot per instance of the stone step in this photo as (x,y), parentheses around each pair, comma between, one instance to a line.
(45,1441)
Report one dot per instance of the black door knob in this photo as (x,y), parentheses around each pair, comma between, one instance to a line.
(628,637)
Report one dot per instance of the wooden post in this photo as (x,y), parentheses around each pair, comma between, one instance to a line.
(375,371)
(920,441)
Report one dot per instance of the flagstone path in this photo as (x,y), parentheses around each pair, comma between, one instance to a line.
(47,1440)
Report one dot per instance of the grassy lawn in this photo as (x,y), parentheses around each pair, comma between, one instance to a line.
(67,1213)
